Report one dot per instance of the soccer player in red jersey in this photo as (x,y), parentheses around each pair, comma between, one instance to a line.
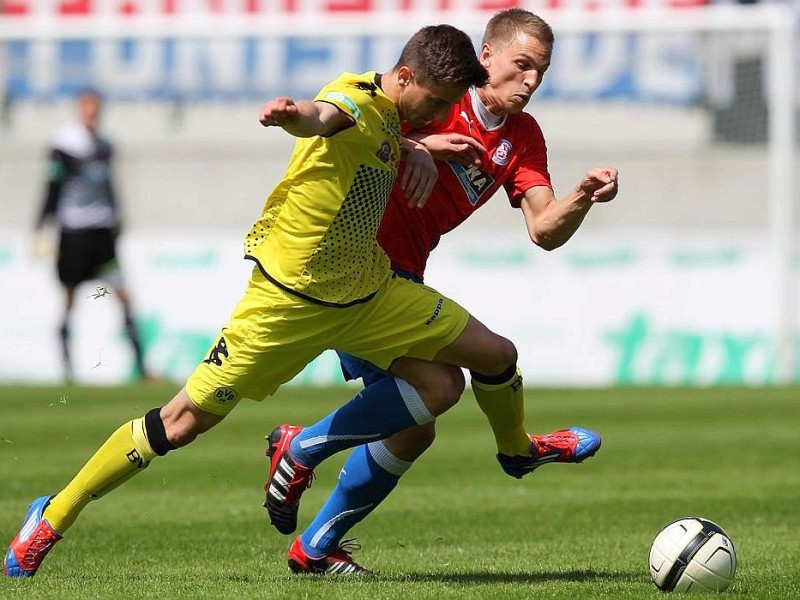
(487,142)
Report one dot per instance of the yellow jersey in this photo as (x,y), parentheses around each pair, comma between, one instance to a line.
(316,237)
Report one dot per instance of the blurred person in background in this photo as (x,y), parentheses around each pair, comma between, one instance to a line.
(80,199)
(487,142)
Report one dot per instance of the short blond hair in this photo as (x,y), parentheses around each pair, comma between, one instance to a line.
(505,26)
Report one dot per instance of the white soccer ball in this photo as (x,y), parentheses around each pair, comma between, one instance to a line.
(692,554)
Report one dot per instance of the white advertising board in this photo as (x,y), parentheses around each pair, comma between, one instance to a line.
(603,310)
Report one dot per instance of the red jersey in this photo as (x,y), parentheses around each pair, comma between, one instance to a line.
(516,159)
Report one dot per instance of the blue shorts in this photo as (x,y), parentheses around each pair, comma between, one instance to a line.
(354,367)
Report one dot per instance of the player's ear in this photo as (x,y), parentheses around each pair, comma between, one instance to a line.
(404,76)
(486,55)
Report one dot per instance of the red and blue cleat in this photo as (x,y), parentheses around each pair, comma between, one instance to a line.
(572,445)
(33,542)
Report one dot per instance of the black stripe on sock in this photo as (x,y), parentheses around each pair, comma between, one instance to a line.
(156,434)
(505,376)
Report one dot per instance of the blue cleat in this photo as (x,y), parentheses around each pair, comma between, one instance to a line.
(572,445)
(33,542)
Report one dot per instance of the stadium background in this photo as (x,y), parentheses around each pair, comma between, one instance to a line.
(680,281)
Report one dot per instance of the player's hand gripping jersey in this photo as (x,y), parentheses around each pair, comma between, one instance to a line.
(316,235)
(516,159)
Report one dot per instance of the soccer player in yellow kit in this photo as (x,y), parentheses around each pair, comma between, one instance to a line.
(320,281)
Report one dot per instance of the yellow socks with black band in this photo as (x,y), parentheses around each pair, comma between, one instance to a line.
(127,452)
(501,399)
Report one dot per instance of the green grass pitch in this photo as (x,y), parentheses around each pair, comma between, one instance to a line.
(192,525)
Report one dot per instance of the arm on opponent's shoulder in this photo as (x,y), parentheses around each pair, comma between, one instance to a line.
(455,147)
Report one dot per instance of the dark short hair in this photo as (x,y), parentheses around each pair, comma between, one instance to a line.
(443,54)
(507,24)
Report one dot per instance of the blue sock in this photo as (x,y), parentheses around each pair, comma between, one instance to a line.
(381,409)
(369,475)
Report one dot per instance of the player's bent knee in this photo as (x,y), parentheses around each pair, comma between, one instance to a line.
(411,443)
(442,392)
(510,354)
(428,439)
(504,355)
(452,385)
(422,436)
(439,385)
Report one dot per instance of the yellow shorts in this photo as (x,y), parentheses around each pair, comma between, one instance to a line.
(272,335)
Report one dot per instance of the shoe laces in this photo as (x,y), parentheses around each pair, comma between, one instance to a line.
(301,481)
(345,549)
(39,545)
(557,439)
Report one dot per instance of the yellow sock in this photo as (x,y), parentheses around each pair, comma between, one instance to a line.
(504,406)
(124,454)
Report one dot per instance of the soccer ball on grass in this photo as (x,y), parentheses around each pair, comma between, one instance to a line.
(692,554)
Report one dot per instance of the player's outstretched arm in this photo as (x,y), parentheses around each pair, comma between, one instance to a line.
(303,118)
(552,222)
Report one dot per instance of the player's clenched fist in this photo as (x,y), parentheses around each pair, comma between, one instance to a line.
(601,184)
(278,112)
